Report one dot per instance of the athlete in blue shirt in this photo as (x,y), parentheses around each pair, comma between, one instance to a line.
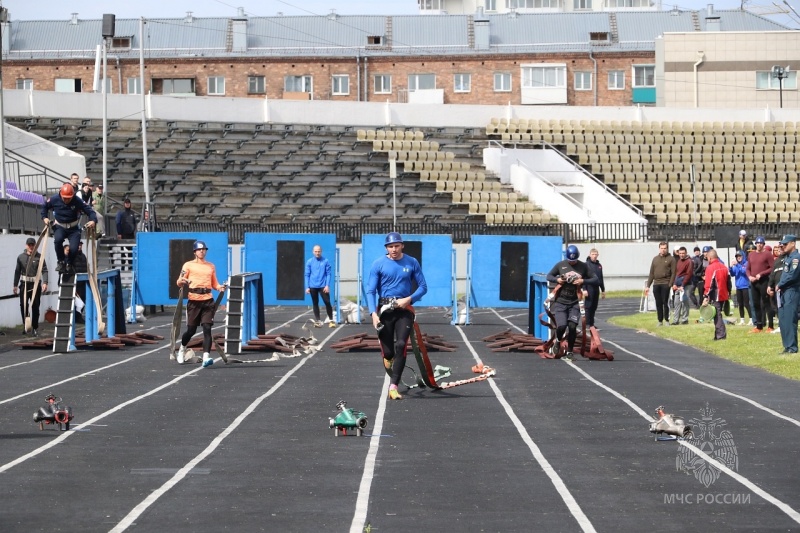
(67,209)
(318,283)
(390,280)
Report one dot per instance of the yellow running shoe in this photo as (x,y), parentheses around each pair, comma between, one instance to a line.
(387,363)
(394,394)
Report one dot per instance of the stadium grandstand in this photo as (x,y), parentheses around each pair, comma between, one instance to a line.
(605,126)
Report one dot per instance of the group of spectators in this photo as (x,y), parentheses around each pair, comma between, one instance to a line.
(764,277)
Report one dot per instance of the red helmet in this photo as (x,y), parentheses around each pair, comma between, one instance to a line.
(67,191)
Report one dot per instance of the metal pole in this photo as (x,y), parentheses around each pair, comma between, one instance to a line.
(105,123)
(393,176)
(694,202)
(780,89)
(145,172)
(2,116)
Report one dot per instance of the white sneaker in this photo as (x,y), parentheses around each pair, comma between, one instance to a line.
(741,321)
(776,330)
(207,360)
(181,353)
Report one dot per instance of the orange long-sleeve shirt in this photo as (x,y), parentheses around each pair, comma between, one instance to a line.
(201,275)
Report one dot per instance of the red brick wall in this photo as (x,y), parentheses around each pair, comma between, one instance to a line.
(236,71)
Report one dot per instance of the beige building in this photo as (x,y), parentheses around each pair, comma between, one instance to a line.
(732,69)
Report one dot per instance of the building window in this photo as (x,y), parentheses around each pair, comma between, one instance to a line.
(340,84)
(109,86)
(583,81)
(534,4)
(431,5)
(134,86)
(173,86)
(256,85)
(582,4)
(216,85)
(462,83)
(383,84)
(616,80)
(68,85)
(544,77)
(120,43)
(26,84)
(644,76)
(765,81)
(420,82)
(630,3)
(297,84)
(502,82)
(491,5)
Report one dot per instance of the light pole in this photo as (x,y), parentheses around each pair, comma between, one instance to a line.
(108,32)
(780,73)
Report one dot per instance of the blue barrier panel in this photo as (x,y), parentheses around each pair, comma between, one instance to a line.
(490,268)
(261,255)
(152,274)
(437,265)
(536,307)
(112,318)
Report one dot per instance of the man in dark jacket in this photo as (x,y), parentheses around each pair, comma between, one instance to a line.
(683,279)
(743,243)
(759,267)
(593,292)
(788,289)
(662,277)
(696,292)
(24,277)
(126,221)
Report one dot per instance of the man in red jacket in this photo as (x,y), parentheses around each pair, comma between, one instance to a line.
(759,267)
(716,291)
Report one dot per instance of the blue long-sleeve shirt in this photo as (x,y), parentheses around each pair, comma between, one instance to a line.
(392,279)
(790,279)
(739,272)
(318,273)
(66,213)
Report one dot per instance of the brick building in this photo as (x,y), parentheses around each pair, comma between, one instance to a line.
(570,58)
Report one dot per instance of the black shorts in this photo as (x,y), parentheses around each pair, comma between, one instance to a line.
(200,312)
(564,313)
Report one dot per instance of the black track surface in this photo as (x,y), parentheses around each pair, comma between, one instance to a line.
(258,454)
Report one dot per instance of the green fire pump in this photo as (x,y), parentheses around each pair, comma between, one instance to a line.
(348,419)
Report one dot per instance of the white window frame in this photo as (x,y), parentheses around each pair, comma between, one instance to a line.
(260,83)
(216,85)
(614,79)
(490,5)
(170,83)
(134,85)
(25,84)
(502,82)
(766,82)
(431,5)
(298,84)
(629,3)
(557,75)
(581,5)
(382,84)
(534,4)
(583,80)
(462,83)
(634,82)
(63,83)
(340,84)
(414,81)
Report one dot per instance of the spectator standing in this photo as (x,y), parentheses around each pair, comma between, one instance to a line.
(682,285)
(569,275)
(788,290)
(743,242)
(74,179)
(697,278)
(86,192)
(661,278)
(100,208)
(716,292)
(126,221)
(318,281)
(774,277)
(759,267)
(24,276)
(390,281)
(593,292)
(738,270)
(67,207)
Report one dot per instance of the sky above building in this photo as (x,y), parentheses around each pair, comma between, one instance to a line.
(93,9)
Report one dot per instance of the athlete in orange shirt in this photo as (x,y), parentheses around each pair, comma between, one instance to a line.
(200,276)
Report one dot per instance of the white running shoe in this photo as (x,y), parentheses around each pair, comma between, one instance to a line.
(181,354)
(741,321)
(207,360)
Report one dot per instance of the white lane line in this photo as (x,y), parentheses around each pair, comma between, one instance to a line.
(31,361)
(362,502)
(555,479)
(788,510)
(137,511)
(710,386)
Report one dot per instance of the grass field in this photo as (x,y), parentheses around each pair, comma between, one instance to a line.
(761,350)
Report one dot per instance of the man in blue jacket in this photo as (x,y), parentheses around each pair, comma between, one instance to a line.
(738,270)
(67,209)
(788,289)
(318,283)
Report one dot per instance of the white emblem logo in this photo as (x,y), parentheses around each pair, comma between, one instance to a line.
(708,435)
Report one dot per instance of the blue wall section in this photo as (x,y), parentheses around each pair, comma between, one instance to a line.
(261,253)
(437,265)
(543,253)
(152,272)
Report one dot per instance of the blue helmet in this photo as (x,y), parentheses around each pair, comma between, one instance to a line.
(199,245)
(392,238)
(760,240)
(707,248)
(573,253)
